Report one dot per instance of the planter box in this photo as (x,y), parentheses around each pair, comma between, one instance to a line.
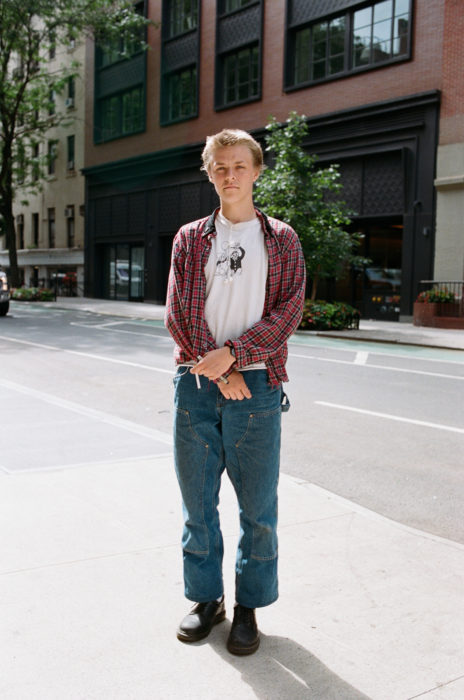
(424,314)
(435,315)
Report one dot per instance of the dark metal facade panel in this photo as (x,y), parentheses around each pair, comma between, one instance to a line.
(169,209)
(120,76)
(119,216)
(102,218)
(383,185)
(301,11)
(137,214)
(239,29)
(180,52)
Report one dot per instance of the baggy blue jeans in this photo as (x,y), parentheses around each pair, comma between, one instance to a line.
(211,434)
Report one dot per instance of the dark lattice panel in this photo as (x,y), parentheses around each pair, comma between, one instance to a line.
(137,214)
(351,179)
(103,217)
(383,185)
(239,29)
(121,76)
(169,209)
(180,52)
(190,202)
(119,215)
(307,10)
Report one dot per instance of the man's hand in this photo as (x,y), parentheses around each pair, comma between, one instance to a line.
(214,363)
(236,389)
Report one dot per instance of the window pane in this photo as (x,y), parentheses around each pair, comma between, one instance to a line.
(336,64)
(318,70)
(382,31)
(337,36)
(362,18)
(301,73)
(240,75)
(383,10)
(401,7)
(182,94)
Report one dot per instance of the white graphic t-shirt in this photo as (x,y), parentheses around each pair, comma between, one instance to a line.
(236,274)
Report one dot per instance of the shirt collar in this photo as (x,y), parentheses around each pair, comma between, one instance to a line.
(210,226)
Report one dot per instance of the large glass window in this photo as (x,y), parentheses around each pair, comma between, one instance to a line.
(240,75)
(357,39)
(183,16)
(380,32)
(320,50)
(122,114)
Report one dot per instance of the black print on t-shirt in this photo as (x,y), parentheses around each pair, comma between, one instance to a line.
(229,260)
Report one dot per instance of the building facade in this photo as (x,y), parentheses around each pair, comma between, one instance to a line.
(377,82)
(50,222)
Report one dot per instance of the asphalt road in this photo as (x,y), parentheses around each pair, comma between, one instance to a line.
(377,424)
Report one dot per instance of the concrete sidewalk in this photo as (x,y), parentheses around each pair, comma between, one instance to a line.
(373,331)
(91,591)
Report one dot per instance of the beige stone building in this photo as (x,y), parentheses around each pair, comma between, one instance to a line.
(50,228)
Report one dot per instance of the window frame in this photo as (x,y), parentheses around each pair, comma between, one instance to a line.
(190,64)
(168,117)
(349,68)
(168,21)
(99,131)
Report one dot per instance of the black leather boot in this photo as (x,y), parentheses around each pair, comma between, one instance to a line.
(244,635)
(200,620)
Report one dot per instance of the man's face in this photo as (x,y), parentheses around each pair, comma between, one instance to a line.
(233,173)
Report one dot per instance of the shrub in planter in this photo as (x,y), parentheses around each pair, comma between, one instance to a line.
(439,296)
(33,294)
(322,315)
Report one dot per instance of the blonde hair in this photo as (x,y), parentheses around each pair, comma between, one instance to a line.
(231,137)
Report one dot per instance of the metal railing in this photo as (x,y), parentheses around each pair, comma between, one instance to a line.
(448,294)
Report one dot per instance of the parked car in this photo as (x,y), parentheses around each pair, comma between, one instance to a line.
(4,294)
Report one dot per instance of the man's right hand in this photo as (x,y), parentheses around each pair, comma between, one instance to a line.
(236,389)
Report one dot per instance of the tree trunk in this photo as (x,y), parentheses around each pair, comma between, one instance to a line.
(315,282)
(10,233)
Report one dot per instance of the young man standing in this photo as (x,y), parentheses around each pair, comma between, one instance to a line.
(235,294)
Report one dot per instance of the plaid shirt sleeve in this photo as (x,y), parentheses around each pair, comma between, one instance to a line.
(175,319)
(285,298)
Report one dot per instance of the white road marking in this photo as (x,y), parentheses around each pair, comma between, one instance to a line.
(389,416)
(384,353)
(109,327)
(89,355)
(361,358)
(384,367)
(150,433)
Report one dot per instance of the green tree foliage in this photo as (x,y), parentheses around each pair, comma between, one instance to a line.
(29,32)
(295,191)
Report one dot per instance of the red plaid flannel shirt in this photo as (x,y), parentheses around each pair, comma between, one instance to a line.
(266,340)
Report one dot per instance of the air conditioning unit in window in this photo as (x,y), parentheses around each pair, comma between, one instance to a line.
(70,165)
(69,212)
(20,219)
(69,102)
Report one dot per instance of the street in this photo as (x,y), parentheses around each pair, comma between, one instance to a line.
(376,424)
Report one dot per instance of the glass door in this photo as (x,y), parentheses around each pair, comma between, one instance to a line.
(137,273)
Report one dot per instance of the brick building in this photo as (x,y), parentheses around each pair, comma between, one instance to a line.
(380,83)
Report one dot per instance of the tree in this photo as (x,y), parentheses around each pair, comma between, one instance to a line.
(305,197)
(30,30)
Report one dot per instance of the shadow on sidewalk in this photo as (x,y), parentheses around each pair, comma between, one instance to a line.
(282,668)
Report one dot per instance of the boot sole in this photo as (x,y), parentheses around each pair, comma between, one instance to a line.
(183,637)
(243,651)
